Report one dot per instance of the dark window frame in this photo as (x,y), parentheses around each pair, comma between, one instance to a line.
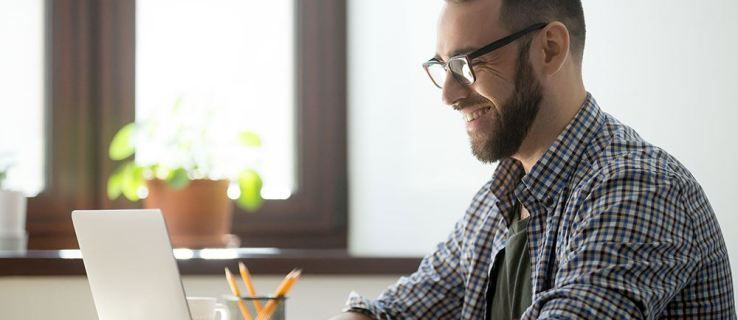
(91,93)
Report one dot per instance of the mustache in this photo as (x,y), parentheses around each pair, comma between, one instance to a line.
(472,101)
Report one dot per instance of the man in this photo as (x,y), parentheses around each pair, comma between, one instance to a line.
(582,219)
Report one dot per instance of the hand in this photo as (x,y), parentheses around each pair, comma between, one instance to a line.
(350,316)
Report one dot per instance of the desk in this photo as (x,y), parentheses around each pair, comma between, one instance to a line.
(57,278)
(69,298)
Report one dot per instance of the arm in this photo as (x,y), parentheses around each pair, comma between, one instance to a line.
(436,290)
(631,249)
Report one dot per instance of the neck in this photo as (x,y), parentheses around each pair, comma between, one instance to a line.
(556,111)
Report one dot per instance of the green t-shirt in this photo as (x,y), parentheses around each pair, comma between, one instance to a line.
(509,291)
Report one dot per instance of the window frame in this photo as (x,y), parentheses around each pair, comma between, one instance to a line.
(91,93)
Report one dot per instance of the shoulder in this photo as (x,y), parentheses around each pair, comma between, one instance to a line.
(619,157)
(622,170)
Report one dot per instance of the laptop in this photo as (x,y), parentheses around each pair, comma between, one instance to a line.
(130,265)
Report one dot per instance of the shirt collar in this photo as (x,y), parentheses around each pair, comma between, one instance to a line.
(553,171)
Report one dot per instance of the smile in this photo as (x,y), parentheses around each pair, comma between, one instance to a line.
(469,117)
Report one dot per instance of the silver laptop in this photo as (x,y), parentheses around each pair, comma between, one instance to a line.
(130,265)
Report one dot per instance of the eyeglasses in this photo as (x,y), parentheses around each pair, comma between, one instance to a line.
(461,66)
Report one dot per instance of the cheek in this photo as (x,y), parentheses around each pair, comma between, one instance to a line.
(495,76)
(493,88)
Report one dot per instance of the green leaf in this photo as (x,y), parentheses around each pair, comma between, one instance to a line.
(249,139)
(178,178)
(122,145)
(131,180)
(115,186)
(250,184)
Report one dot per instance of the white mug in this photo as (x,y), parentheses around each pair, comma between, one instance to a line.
(205,308)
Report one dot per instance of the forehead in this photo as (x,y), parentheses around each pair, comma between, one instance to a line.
(467,25)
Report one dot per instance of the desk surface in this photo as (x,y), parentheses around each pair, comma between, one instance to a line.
(212,261)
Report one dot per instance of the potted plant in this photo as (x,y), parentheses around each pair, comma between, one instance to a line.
(13,235)
(188,165)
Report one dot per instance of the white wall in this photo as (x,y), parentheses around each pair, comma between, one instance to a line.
(69,298)
(410,167)
(667,68)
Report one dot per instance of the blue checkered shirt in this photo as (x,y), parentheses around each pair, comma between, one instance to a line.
(618,229)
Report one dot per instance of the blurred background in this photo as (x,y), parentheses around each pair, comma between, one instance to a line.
(344,143)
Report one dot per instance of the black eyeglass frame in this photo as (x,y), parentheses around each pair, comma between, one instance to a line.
(467,58)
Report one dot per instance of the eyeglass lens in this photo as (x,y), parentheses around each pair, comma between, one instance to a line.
(437,73)
(459,68)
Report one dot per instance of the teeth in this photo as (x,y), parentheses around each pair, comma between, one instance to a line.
(476,114)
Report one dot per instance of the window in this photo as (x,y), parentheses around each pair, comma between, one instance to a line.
(227,73)
(94,90)
(23,82)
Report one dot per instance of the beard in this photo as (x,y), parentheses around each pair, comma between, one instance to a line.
(510,122)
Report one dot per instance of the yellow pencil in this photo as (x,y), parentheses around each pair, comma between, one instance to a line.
(246,277)
(282,290)
(234,289)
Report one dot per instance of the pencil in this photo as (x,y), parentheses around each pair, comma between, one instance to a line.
(246,277)
(234,289)
(282,290)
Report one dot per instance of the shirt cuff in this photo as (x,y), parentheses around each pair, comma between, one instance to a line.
(358,304)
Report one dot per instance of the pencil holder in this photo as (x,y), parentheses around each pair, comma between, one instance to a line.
(232,303)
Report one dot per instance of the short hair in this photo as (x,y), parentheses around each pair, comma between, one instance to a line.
(519,14)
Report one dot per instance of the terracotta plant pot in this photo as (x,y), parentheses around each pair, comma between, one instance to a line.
(197,216)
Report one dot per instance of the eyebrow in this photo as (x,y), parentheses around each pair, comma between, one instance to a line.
(456,52)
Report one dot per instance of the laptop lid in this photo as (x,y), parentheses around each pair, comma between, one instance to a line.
(130,265)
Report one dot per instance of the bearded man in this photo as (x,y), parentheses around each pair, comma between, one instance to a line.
(582,219)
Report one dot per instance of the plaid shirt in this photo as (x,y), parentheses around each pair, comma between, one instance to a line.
(618,229)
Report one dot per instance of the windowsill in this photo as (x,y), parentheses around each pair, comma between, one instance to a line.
(269,261)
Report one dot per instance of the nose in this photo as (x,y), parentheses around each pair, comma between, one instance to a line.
(453,91)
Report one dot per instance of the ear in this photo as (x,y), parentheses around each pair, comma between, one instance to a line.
(554,44)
